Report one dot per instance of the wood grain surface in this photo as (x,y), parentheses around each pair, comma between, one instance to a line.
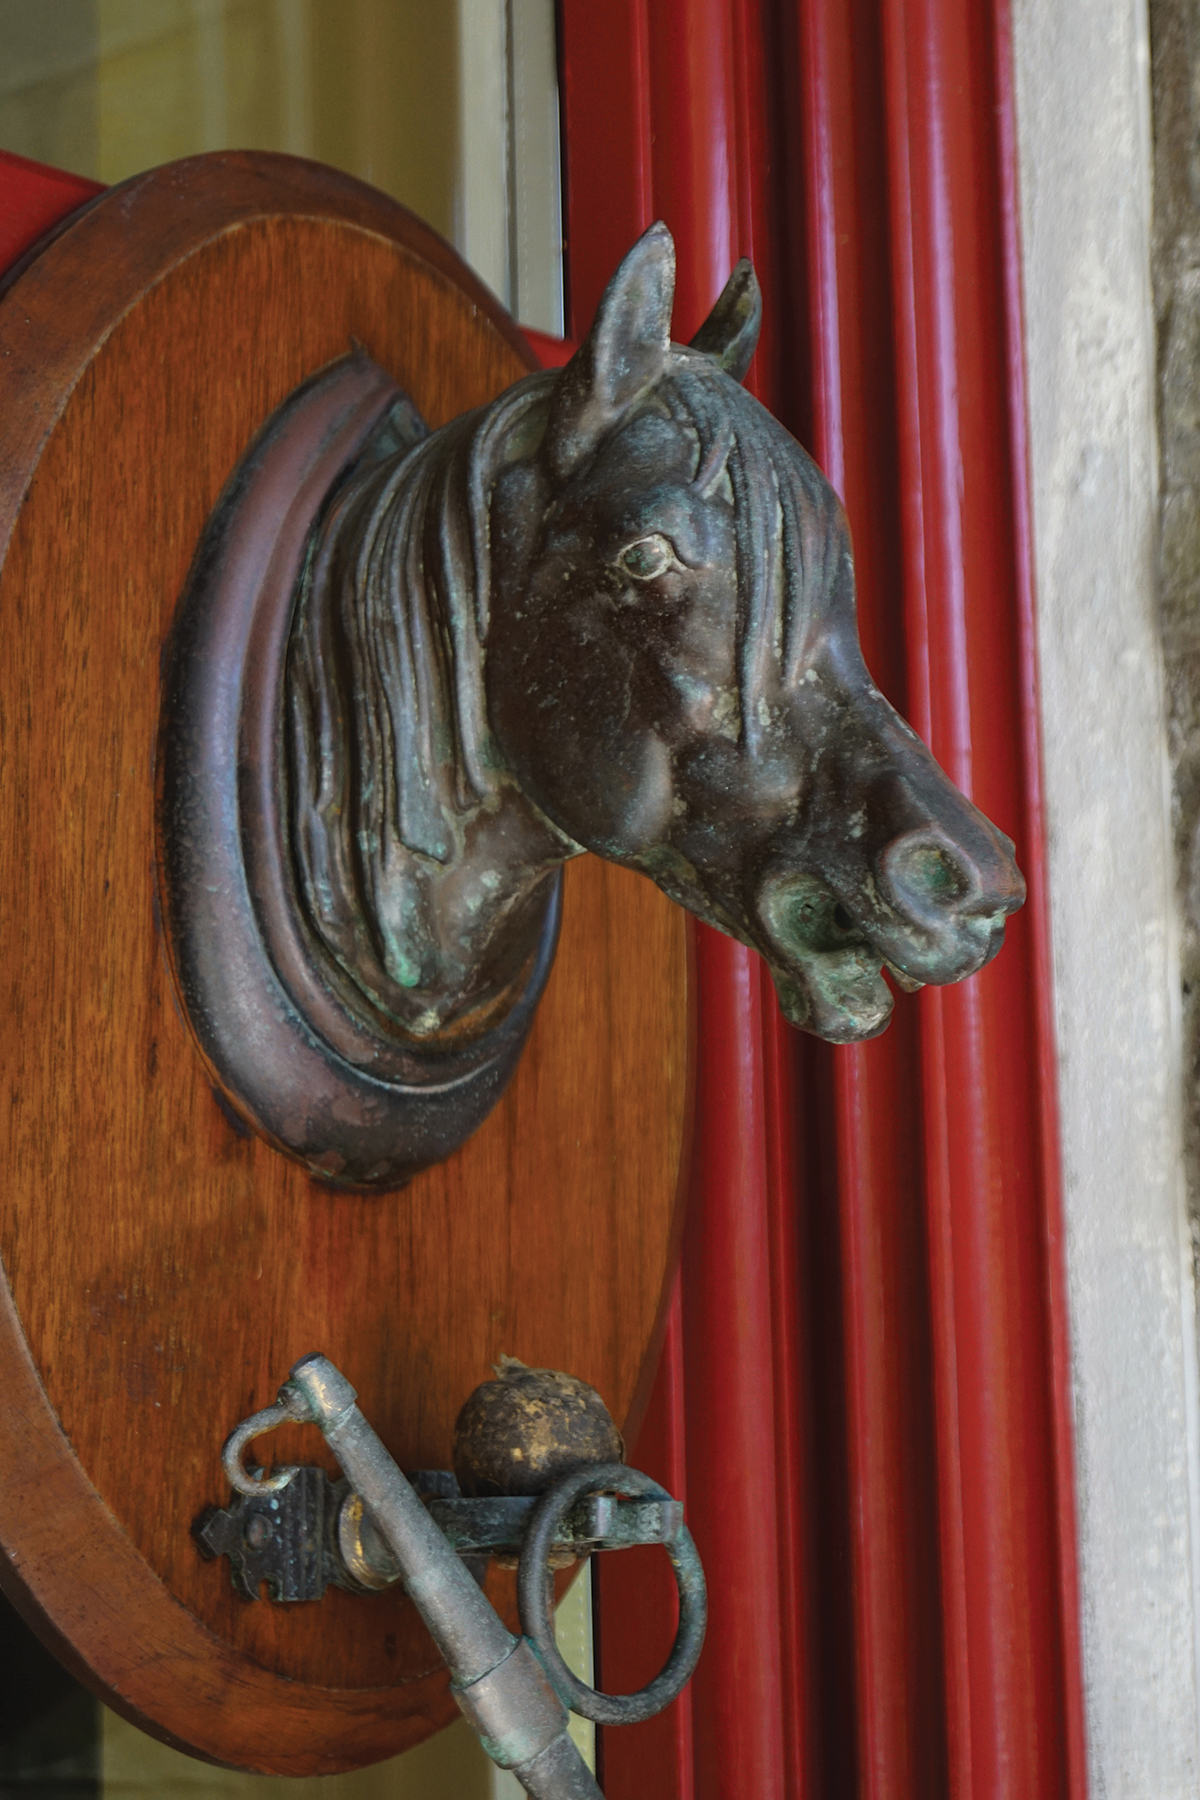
(165,1269)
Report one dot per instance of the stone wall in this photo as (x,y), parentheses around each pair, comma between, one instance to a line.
(1086,168)
(1175,62)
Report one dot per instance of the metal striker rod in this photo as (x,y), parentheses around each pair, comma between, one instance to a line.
(498,1681)
(464,1626)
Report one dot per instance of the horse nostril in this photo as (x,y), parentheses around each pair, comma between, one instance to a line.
(842,919)
(931,872)
(926,875)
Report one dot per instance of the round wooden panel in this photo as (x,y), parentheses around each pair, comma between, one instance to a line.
(164,1269)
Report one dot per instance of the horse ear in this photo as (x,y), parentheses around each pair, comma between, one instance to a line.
(730,332)
(625,352)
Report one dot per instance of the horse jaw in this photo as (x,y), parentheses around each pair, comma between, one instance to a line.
(829,981)
(839,996)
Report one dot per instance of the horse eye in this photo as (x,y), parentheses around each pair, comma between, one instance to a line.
(647,558)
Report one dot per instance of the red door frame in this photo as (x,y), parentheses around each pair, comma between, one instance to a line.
(865,1389)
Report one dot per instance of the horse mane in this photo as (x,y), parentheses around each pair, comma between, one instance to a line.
(390,753)
(791,537)
(385,671)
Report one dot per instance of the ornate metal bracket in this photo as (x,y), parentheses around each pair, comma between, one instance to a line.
(287,1543)
(314,1533)
(414,673)
(515,1692)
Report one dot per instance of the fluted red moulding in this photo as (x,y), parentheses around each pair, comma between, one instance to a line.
(866,1375)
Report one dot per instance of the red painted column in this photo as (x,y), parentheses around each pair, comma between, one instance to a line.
(797,1545)
(694,173)
(729,1386)
(1013,1703)
(923,1530)
(834,154)
(694,70)
(605,101)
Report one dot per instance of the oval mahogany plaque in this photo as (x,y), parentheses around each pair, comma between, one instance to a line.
(164,1269)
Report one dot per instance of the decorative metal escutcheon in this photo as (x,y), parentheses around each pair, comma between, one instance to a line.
(284,1542)
(297,1532)
(316,1533)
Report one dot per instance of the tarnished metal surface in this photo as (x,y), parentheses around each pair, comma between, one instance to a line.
(514,1708)
(519,1710)
(299,1533)
(615,611)
(594,1523)
(515,1692)
(362,1549)
(469,1636)
(534,1592)
(282,1538)
(517,1433)
(559,1773)
(413,674)
(356,1104)
(241,1479)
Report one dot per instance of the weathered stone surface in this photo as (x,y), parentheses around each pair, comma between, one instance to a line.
(1175,38)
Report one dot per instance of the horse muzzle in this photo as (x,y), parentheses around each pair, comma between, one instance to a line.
(927,907)
(940,905)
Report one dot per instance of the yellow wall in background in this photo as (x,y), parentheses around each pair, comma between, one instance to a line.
(376,87)
(48,82)
(367,85)
(450,1766)
(109,87)
(387,98)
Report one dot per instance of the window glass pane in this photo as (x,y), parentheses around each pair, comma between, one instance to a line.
(450,105)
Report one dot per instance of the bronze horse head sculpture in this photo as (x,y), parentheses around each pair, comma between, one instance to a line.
(612,611)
